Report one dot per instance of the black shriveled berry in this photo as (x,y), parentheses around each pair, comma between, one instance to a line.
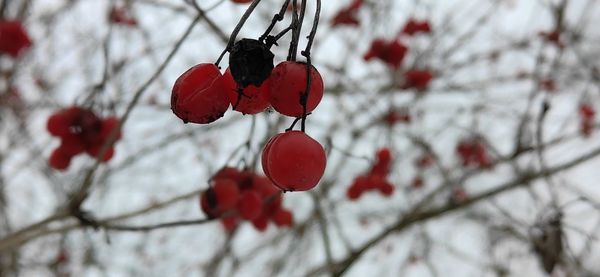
(250,62)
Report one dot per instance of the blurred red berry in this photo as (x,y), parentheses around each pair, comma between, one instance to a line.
(283,218)
(392,53)
(250,205)
(120,15)
(417,79)
(59,160)
(14,39)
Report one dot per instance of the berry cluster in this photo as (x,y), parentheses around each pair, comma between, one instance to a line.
(13,38)
(414,26)
(202,94)
(587,115)
(243,195)
(293,161)
(472,152)
(80,130)
(375,179)
(393,53)
(348,15)
(390,52)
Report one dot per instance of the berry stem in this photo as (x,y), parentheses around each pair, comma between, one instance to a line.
(306,53)
(297,28)
(278,17)
(237,30)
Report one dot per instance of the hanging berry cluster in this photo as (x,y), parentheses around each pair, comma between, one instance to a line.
(375,179)
(80,130)
(472,152)
(293,161)
(393,52)
(243,195)
(14,39)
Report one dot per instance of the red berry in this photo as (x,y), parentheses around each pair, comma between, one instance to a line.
(227,194)
(241,1)
(354,192)
(120,15)
(392,53)
(250,205)
(58,124)
(264,187)
(108,124)
(59,160)
(283,218)
(199,96)
(72,145)
(229,223)
(261,223)
(295,161)
(394,117)
(94,151)
(382,165)
(414,26)
(386,189)
(13,38)
(288,86)
(228,173)
(265,155)
(418,79)
(248,100)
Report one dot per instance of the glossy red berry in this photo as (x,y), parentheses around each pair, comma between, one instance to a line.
(288,86)
(59,160)
(250,205)
(248,100)
(13,38)
(295,161)
(199,96)
(283,218)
